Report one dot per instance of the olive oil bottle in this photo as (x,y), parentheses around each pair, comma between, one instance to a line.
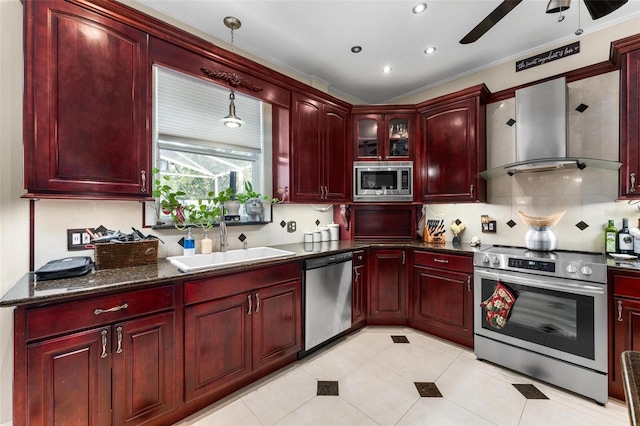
(611,238)
(625,239)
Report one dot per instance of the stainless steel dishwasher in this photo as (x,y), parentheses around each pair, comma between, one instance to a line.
(327,299)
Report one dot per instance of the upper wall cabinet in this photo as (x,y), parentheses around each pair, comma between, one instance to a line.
(453,147)
(630,124)
(319,151)
(383,136)
(87,105)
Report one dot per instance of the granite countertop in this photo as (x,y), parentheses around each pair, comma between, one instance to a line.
(28,290)
(631,378)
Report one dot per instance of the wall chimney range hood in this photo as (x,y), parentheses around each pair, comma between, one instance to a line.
(542,133)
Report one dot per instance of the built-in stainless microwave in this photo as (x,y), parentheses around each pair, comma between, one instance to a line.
(382,181)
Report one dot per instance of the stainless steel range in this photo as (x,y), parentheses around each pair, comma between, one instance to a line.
(556,329)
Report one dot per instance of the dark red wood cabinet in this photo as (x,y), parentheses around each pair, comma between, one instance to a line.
(383,136)
(442,296)
(123,371)
(359,290)
(87,105)
(624,325)
(630,125)
(453,147)
(388,286)
(321,166)
(239,324)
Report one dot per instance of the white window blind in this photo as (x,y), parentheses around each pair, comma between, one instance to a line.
(192,108)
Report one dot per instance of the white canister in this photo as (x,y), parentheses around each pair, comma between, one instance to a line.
(324,233)
(308,237)
(334,231)
(317,236)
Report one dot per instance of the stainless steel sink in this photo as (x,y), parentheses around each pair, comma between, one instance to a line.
(228,258)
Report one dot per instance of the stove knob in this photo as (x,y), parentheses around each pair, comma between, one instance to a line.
(572,268)
(495,261)
(586,270)
(485,259)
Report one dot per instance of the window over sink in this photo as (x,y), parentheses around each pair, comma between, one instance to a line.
(199,153)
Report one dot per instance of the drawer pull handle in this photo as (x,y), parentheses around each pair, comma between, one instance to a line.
(435,259)
(250,304)
(468,282)
(257,302)
(104,344)
(403,258)
(620,310)
(119,337)
(357,274)
(114,309)
(471,191)
(632,188)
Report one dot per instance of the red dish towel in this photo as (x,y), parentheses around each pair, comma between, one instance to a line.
(499,305)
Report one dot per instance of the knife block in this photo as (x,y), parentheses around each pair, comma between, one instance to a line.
(433,236)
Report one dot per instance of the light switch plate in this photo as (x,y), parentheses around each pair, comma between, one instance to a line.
(291,226)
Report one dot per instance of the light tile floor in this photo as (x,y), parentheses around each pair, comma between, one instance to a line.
(376,387)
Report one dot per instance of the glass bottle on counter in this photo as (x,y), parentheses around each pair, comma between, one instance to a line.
(611,238)
(206,244)
(189,244)
(625,239)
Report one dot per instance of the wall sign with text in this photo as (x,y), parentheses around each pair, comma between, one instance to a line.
(551,55)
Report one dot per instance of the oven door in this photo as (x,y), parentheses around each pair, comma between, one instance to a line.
(560,318)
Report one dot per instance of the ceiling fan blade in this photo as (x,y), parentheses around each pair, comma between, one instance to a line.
(599,8)
(487,23)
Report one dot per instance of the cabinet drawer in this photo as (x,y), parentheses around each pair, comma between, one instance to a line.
(443,260)
(96,311)
(239,282)
(626,286)
(358,257)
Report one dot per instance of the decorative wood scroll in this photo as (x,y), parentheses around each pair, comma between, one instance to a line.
(231,78)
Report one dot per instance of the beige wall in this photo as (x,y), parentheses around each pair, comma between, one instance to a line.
(54,217)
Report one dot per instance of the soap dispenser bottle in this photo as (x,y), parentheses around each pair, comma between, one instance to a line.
(189,244)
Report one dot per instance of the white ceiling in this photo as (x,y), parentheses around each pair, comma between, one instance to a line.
(313,38)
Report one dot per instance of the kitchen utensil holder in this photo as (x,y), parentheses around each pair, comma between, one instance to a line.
(130,253)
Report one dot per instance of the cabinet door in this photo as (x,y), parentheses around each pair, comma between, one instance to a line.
(277,322)
(336,164)
(87,110)
(452,145)
(626,337)
(630,125)
(359,295)
(388,291)
(217,344)
(398,138)
(69,379)
(369,132)
(443,303)
(144,369)
(306,149)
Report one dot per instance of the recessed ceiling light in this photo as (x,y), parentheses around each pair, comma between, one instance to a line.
(419,8)
(430,50)
(386,69)
(356,49)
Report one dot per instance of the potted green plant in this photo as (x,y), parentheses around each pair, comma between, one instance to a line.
(253,201)
(168,201)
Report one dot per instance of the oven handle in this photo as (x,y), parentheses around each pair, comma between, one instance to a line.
(568,287)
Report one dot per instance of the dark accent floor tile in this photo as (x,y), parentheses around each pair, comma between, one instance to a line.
(428,390)
(530,391)
(326,387)
(400,339)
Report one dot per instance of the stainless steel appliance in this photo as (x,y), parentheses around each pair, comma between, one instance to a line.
(557,327)
(383,181)
(327,299)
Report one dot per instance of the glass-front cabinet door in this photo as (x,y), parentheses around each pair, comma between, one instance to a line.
(383,137)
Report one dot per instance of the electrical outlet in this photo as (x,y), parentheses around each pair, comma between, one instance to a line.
(78,239)
(291,226)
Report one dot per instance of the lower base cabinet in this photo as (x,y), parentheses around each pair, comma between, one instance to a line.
(359,290)
(442,298)
(388,287)
(624,320)
(233,336)
(122,371)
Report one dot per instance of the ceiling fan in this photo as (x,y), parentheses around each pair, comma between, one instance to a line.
(597,9)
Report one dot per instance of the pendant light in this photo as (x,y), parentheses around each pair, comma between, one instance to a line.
(232,120)
(555,6)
